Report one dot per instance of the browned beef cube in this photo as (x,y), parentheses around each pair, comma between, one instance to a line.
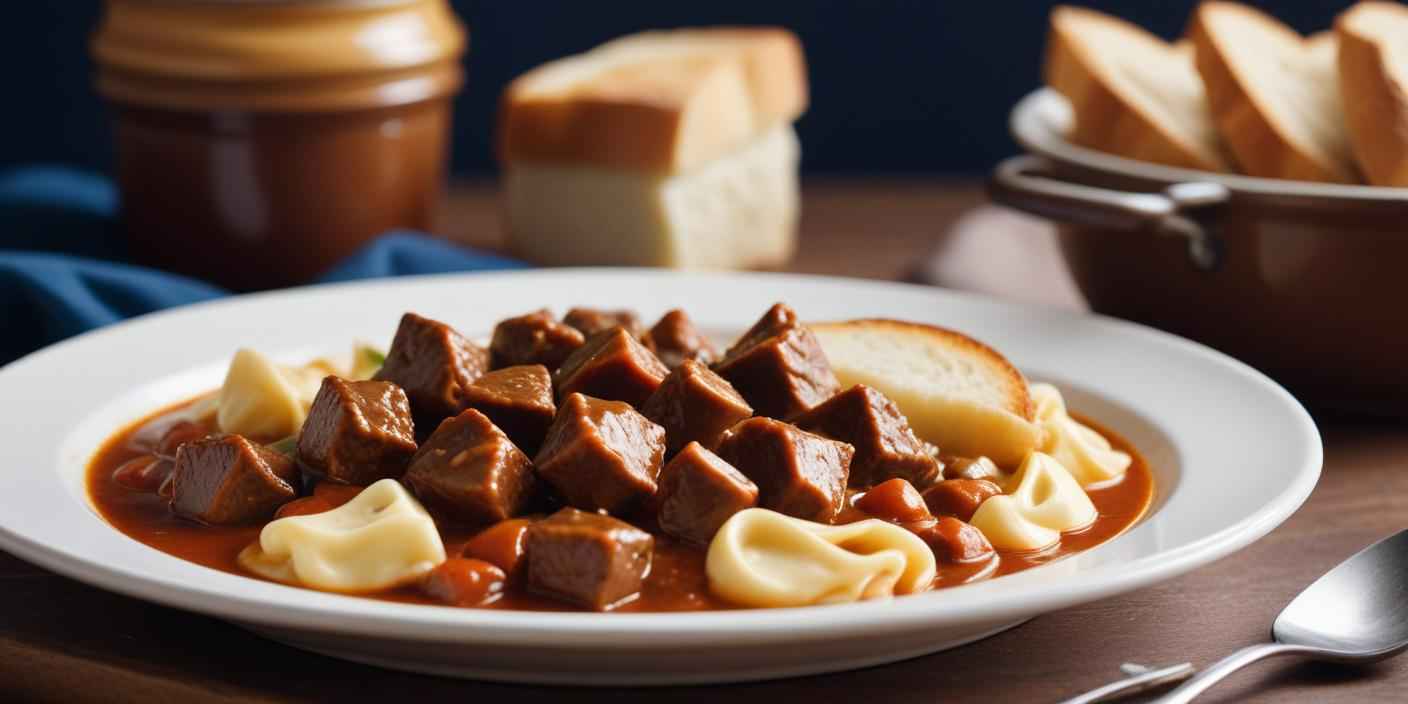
(698,492)
(675,339)
(797,473)
(470,470)
(433,364)
(886,446)
(779,366)
(227,480)
(357,432)
(591,321)
(586,559)
(612,365)
(535,338)
(695,404)
(601,454)
(519,400)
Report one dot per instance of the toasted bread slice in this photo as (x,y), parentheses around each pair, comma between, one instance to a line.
(1373,71)
(1274,94)
(957,392)
(1132,93)
(658,102)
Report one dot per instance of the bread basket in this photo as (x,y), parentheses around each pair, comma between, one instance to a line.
(1306,281)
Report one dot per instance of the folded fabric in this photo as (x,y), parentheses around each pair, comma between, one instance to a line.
(62,270)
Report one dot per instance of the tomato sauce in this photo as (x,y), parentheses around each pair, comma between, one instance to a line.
(676,581)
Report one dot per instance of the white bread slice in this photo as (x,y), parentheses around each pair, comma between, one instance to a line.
(1274,95)
(1373,71)
(663,101)
(957,392)
(1132,93)
(736,211)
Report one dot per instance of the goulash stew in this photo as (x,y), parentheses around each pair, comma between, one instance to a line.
(591,463)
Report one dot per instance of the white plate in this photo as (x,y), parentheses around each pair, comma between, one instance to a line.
(1232,452)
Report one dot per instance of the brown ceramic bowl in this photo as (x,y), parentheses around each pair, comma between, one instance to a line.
(1306,281)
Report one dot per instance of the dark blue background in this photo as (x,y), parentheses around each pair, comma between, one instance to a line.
(896,86)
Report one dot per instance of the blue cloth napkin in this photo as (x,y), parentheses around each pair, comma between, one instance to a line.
(62,268)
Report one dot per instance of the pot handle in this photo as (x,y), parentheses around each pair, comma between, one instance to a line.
(1181,209)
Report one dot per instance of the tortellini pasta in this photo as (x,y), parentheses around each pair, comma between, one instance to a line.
(266,400)
(1044,501)
(380,539)
(1085,453)
(765,559)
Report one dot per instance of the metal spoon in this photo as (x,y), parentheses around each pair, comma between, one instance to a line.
(1356,613)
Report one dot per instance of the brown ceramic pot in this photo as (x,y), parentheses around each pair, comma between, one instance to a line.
(1305,281)
(260,142)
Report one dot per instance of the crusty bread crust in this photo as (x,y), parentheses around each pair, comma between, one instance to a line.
(1257,133)
(1018,400)
(1106,118)
(1375,102)
(657,101)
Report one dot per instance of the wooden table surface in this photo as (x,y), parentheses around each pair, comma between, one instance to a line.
(63,641)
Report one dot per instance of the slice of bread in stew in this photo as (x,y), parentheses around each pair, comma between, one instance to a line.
(957,392)
(1132,93)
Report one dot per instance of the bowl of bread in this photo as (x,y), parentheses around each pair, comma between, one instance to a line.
(1245,186)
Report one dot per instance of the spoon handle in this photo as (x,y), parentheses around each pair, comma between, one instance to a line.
(1226,666)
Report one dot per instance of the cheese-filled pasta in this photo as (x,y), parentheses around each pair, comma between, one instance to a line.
(1003,523)
(1085,453)
(765,559)
(262,399)
(1043,500)
(381,538)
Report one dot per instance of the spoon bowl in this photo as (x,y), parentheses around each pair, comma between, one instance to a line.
(1355,613)
(1358,609)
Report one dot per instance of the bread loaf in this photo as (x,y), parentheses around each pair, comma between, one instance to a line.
(665,148)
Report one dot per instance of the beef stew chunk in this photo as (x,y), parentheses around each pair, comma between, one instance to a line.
(518,399)
(674,339)
(953,540)
(229,480)
(698,492)
(693,404)
(959,498)
(885,445)
(534,338)
(587,559)
(591,321)
(779,366)
(601,454)
(896,501)
(612,365)
(433,364)
(470,470)
(797,473)
(357,432)
(502,545)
